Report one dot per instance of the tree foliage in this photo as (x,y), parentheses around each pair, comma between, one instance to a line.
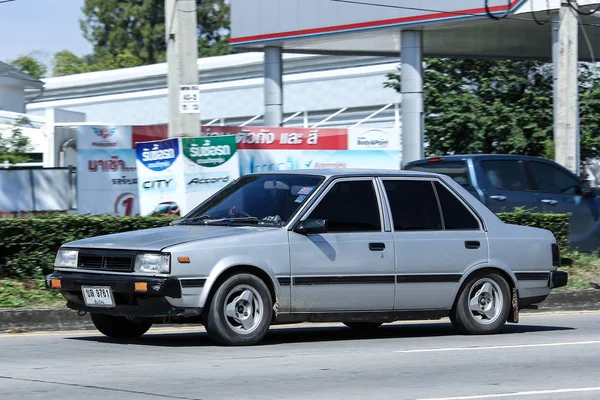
(129,33)
(14,145)
(30,65)
(489,106)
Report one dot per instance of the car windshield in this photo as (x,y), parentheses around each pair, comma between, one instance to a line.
(161,208)
(256,199)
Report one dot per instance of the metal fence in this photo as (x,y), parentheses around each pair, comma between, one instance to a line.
(30,191)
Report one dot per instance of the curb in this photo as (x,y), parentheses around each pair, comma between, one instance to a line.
(63,319)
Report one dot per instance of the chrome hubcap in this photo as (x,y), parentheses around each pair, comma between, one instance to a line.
(243,309)
(485,301)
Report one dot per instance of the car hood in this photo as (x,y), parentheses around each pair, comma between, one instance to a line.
(156,239)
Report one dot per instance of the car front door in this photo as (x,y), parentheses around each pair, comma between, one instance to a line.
(437,239)
(505,186)
(561,193)
(350,267)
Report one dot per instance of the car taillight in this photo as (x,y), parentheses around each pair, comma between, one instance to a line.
(435,159)
(555,255)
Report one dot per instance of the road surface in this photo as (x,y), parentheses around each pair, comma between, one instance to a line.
(545,356)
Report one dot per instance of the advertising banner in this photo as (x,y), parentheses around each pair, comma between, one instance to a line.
(106,171)
(175,175)
(209,164)
(159,170)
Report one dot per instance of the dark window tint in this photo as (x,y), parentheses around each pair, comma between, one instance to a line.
(350,207)
(550,179)
(456,215)
(457,170)
(413,204)
(505,175)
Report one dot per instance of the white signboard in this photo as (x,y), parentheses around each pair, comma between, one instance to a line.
(159,177)
(189,99)
(175,175)
(106,171)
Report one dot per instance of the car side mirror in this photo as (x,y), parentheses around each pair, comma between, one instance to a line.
(587,190)
(312,226)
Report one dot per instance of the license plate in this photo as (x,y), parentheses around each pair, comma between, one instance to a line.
(98,296)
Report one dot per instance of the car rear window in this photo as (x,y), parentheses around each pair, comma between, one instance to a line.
(457,170)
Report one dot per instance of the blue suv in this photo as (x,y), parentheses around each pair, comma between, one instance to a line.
(505,182)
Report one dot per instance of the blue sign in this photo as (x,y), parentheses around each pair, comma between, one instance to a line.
(158,155)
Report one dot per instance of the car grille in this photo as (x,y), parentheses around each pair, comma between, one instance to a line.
(106,262)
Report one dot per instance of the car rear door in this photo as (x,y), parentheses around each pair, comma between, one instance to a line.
(505,185)
(437,239)
(351,266)
(560,193)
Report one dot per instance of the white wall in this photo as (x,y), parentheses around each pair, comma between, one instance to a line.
(12,98)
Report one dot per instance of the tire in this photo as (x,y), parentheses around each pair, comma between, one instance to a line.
(363,327)
(119,327)
(482,292)
(240,311)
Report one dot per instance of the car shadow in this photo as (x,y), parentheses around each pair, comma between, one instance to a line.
(312,334)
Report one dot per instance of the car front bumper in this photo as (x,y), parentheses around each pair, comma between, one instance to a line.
(128,301)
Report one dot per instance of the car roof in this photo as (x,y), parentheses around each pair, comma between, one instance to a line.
(463,157)
(349,172)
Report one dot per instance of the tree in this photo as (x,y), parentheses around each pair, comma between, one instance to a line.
(138,28)
(67,63)
(15,146)
(30,65)
(487,106)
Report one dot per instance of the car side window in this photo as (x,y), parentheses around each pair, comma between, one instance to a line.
(350,206)
(456,215)
(550,179)
(413,205)
(506,175)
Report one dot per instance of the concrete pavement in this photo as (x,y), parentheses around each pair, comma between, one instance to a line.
(545,356)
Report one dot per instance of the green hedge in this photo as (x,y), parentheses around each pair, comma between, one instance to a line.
(558,224)
(28,245)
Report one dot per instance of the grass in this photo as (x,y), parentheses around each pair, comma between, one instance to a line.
(584,268)
(29,293)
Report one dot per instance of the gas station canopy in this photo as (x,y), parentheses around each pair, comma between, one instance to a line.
(456,29)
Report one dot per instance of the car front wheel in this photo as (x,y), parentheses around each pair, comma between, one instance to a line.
(240,312)
(483,305)
(119,327)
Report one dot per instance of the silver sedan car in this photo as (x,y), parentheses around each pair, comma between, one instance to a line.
(361,247)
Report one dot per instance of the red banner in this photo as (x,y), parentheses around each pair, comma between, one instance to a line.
(266,138)
(261,138)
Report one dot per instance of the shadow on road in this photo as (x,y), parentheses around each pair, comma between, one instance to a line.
(318,333)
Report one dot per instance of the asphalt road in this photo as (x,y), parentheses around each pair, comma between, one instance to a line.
(545,357)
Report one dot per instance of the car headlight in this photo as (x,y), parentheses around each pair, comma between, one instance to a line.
(66,258)
(153,263)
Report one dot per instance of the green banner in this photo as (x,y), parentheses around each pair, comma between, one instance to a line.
(209,151)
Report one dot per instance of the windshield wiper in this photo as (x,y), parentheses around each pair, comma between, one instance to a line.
(228,221)
(192,219)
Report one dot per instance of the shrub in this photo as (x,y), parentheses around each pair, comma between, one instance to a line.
(28,245)
(558,224)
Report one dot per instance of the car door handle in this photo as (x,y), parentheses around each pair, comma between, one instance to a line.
(376,246)
(499,198)
(472,244)
(551,202)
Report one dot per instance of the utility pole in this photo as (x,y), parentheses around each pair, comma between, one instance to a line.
(566,116)
(182,77)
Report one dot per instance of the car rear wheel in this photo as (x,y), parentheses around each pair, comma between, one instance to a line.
(240,311)
(119,327)
(483,305)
